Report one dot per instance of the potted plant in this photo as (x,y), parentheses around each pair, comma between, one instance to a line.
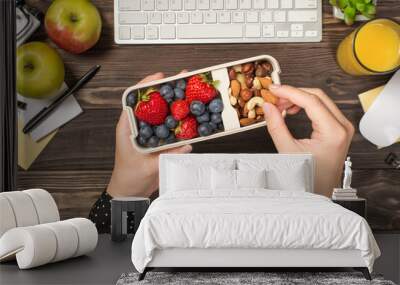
(354,10)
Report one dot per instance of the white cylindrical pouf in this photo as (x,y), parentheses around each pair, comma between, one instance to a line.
(23,208)
(87,235)
(7,217)
(34,246)
(45,205)
(67,239)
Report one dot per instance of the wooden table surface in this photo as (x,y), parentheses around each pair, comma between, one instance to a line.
(76,165)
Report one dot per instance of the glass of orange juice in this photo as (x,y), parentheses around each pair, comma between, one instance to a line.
(373,48)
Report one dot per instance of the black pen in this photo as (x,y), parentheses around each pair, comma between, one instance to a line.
(39,117)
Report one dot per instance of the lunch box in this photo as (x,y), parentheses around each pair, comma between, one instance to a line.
(230,119)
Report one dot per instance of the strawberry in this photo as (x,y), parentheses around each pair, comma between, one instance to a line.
(151,107)
(187,128)
(200,87)
(179,109)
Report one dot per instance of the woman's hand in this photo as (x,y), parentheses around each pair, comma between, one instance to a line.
(135,174)
(330,139)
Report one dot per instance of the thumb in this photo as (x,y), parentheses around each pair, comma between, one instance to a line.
(179,150)
(283,139)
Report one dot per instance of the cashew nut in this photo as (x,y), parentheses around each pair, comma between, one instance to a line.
(251,104)
(233,100)
(257,83)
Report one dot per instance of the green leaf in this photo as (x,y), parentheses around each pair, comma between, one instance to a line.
(367,1)
(360,7)
(333,2)
(343,4)
(349,15)
(370,9)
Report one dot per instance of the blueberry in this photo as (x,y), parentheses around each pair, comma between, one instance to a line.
(213,126)
(171,138)
(204,129)
(221,126)
(142,141)
(146,132)
(170,122)
(143,124)
(162,131)
(181,83)
(153,141)
(216,118)
(179,93)
(197,108)
(205,117)
(166,91)
(216,106)
(131,99)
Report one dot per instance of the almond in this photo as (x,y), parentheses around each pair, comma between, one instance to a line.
(269,97)
(267,66)
(232,74)
(265,81)
(246,94)
(241,102)
(259,111)
(235,88)
(247,68)
(246,122)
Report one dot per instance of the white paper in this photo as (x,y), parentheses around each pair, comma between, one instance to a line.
(68,110)
(381,123)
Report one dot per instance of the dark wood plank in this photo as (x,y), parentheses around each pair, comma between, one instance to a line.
(76,165)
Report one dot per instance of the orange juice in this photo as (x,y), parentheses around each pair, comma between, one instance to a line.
(374,48)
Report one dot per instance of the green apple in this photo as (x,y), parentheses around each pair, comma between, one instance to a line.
(74,25)
(40,70)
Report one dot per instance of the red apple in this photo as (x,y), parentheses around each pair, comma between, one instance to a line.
(74,25)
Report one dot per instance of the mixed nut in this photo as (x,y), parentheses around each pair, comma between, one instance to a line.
(249,89)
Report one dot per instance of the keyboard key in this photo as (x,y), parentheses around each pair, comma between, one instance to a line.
(245,4)
(210,31)
(252,31)
(210,17)
(162,5)
(169,17)
(152,32)
(137,32)
(224,17)
(296,34)
(148,5)
(280,16)
(296,27)
(124,33)
(231,4)
(286,4)
(252,17)
(155,18)
(129,5)
(183,18)
(302,16)
(203,4)
(176,5)
(196,17)
(190,4)
(217,4)
(282,34)
(133,18)
(259,4)
(238,17)
(305,4)
(311,34)
(167,32)
(268,30)
(266,16)
(273,4)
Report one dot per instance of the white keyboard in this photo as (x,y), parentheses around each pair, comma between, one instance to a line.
(217,21)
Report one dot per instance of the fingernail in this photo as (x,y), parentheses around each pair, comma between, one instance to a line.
(274,86)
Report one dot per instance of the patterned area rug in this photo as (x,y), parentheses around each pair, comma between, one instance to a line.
(243,278)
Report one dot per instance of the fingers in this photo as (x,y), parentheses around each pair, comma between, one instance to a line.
(332,107)
(152,77)
(321,117)
(123,128)
(283,139)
